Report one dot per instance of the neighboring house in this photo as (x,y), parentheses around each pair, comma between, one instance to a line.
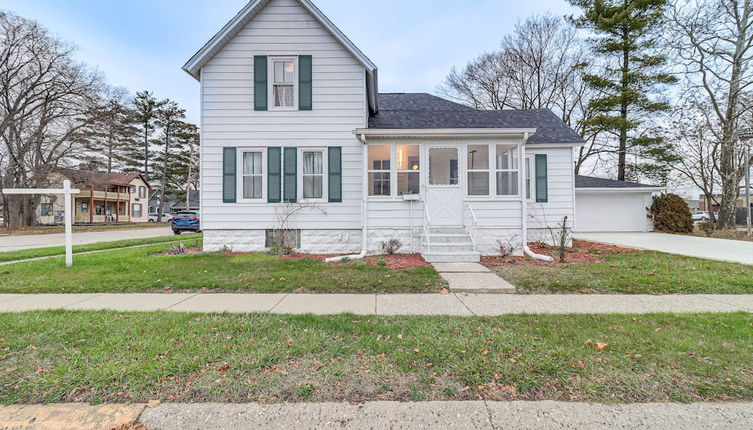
(607,205)
(104,198)
(175,202)
(291,113)
(716,202)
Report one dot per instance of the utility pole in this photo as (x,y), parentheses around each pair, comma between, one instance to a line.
(746,135)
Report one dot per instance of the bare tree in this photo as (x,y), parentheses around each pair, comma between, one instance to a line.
(696,146)
(47,100)
(540,65)
(714,43)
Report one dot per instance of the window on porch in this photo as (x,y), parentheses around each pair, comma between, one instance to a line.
(408,169)
(478,170)
(379,170)
(507,170)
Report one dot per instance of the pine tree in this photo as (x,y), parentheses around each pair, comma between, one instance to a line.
(169,117)
(625,37)
(113,135)
(145,108)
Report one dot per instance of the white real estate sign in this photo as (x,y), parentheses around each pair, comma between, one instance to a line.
(66,191)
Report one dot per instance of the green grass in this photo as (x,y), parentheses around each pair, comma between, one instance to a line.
(80,228)
(642,272)
(60,250)
(114,357)
(139,270)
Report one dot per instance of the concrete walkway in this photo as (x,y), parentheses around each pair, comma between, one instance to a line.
(390,304)
(479,414)
(736,251)
(30,241)
(472,278)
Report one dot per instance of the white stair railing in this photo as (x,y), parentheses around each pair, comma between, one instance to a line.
(473,226)
(427,224)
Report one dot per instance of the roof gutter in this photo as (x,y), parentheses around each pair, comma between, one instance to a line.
(443,132)
(621,190)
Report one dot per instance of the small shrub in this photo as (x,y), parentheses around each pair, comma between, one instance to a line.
(381,263)
(225,249)
(560,238)
(671,214)
(506,249)
(391,246)
(345,260)
(176,249)
(278,249)
(708,227)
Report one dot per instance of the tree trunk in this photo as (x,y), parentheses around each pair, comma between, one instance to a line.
(164,175)
(622,152)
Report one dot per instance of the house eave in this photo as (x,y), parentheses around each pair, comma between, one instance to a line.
(444,132)
(620,190)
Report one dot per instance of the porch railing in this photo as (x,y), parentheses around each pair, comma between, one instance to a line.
(427,224)
(473,225)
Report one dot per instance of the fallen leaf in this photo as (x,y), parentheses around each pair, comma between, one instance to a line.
(400,336)
(152,403)
(444,291)
(600,346)
(416,351)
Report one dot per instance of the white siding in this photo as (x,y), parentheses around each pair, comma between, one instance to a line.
(229,119)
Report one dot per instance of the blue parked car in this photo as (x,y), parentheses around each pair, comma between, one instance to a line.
(186,221)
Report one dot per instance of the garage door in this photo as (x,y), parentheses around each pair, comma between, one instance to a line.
(611,211)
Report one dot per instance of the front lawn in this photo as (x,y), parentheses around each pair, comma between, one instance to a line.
(98,357)
(140,270)
(629,272)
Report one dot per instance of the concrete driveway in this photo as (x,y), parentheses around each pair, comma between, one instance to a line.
(29,241)
(736,251)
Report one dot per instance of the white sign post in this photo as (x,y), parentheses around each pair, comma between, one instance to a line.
(66,191)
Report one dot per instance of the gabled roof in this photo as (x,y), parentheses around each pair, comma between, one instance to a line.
(593,182)
(216,43)
(92,178)
(425,111)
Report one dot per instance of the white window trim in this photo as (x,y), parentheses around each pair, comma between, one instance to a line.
(529,179)
(513,160)
(391,171)
(271,82)
(239,175)
(325,174)
(393,168)
(488,171)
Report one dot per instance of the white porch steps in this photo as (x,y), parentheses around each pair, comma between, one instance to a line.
(451,244)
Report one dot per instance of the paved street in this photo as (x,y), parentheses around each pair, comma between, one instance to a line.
(29,241)
(736,251)
(389,304)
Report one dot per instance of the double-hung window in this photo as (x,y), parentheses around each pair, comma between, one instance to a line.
(379,170)
(283,83)
(312,174)
(506,170)
(477,160)
(252,174)
(408,169)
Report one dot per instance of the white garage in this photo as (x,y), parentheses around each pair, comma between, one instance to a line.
(606,205)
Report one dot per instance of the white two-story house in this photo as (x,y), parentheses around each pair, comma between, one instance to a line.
(291,116)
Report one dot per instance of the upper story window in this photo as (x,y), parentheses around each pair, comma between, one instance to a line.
(284,82)
(142,192)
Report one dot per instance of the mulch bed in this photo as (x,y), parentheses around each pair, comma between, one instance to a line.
(394,261)
(582,252)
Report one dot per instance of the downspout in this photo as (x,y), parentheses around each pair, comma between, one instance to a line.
(364,208)
(524,203)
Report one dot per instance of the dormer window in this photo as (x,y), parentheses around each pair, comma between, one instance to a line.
(284,94)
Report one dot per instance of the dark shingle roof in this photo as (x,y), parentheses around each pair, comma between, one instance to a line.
(592,182)
(421,110)
(89,177)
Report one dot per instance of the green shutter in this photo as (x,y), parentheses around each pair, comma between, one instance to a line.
(274,178)
(228,175)
(304,82)
(260,82)
(290,167)
(542,188)
(335,179)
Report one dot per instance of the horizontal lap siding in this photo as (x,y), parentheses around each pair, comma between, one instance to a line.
(229,119)
(560,182)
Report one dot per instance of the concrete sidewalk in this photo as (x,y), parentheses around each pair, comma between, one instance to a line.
(391,304)
(373,415)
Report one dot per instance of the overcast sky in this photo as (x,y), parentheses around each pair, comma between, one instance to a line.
(142,44)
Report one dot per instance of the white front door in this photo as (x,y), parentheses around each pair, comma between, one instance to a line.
(444,196)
